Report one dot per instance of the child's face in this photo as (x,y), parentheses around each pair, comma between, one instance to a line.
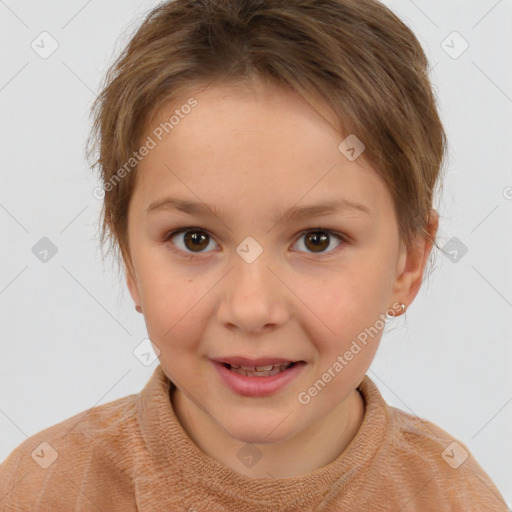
(251,157)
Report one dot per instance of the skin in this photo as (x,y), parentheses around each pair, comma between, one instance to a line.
(250,152)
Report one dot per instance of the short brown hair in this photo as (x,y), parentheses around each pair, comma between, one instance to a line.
(356,55)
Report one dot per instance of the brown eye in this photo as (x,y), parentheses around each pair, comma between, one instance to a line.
(194,240)
(317,241)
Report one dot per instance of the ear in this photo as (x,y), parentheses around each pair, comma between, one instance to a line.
(412,263)
(131,281)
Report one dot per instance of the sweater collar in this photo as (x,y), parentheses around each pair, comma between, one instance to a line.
(172,461)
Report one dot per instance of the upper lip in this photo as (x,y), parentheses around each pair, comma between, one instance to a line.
(261,361)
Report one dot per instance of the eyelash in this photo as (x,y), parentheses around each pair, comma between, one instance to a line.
(342,239)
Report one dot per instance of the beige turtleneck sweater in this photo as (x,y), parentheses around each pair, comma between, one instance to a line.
(132,454)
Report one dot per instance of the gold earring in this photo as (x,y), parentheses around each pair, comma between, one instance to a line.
(401,312)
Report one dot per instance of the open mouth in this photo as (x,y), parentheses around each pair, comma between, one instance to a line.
(260,371)
(258,381)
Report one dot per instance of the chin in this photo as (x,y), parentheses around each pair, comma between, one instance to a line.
(251,431)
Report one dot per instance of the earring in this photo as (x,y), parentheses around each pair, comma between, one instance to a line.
(401,312)
(138,308)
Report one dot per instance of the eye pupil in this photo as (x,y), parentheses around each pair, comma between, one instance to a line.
(197,238)
(318,238)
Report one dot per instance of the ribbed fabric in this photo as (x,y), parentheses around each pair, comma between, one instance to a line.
(132,454)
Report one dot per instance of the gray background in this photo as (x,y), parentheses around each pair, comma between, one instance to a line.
(68,327)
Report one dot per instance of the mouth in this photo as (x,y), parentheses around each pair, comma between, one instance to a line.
(260,371)
(260,380)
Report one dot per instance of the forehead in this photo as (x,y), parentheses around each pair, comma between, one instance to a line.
(261,143)
(227,114)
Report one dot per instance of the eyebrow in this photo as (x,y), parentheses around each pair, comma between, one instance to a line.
(295,213)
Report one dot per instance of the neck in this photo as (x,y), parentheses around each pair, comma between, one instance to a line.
(312,448)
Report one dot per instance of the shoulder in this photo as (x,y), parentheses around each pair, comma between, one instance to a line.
(77,461)
(424,439)
(443,465)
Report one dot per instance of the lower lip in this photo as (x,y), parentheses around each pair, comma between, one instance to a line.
(257,386)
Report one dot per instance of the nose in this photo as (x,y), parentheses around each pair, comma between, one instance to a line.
(253,296)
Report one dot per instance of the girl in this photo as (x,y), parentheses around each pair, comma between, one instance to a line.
(268,172)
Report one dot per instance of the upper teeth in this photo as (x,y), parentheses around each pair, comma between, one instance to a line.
(260,368)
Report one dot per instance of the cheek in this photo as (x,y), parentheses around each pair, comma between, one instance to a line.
(370,278)
(346,297)
(175,306)
(172,307)
(345,307)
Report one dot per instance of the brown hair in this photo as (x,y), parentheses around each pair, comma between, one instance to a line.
(356,55)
